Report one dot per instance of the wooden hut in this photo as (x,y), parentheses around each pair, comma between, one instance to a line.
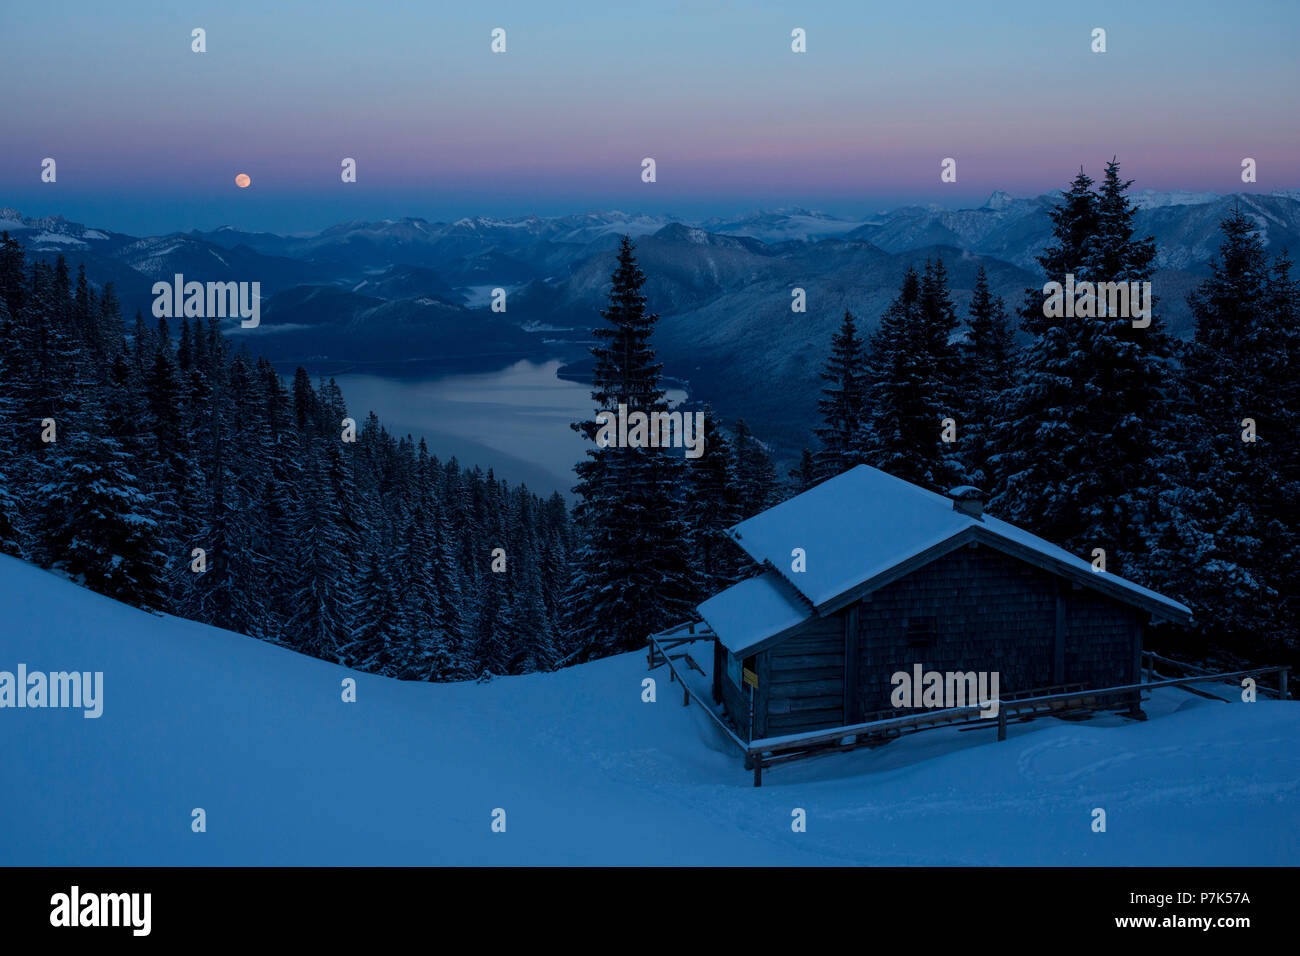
(868,575)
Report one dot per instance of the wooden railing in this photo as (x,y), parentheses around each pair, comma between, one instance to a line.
(793,745)
(687,694)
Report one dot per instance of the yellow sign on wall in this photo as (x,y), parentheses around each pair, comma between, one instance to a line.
(750,677)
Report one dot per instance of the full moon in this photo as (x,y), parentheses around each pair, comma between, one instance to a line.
(242,181)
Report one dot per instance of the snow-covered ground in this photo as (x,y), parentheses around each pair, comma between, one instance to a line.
(586,772)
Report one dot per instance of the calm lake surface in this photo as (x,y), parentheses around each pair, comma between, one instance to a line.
(515,421)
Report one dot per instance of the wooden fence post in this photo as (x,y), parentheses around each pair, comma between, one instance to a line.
(1002,723)
(1281,679)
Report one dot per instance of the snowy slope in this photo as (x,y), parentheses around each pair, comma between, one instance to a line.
(587,773)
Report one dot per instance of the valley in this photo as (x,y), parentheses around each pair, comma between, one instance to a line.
(407,300)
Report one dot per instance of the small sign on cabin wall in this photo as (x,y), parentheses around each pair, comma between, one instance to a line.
(750,677)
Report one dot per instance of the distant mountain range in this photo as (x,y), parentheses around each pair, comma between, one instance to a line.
(407,296)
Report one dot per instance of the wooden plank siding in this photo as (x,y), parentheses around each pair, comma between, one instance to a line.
(990,611)
(805,678)
(1100,635)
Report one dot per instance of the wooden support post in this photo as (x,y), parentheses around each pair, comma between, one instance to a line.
(758,770)
(686,695)
(1281,680)
(1002,723)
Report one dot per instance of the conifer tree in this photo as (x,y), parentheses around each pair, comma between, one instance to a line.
(632,576)
(804,476)
(842,402)
(1226,531)
(100,527)
(713,505)
(910,384)
(11,535)
(988,368)
(1084,428)
(755,476)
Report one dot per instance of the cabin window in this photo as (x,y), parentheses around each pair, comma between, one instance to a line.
(921,631)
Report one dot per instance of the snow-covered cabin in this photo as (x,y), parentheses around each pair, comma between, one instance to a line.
(868,575)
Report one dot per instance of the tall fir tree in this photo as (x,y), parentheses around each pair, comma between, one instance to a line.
(713,505)
(631,571)
(987,367)
(755,476)
(912,383)
(843,401)
(1226,535)
(1083,431)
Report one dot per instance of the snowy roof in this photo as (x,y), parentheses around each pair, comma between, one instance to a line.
(859,526)
(754,610)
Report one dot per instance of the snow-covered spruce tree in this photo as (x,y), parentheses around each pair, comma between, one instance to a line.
(1037,438)
(19,434)
(754,473)
(987,366)
(912,384)
(1130,393)
(1227,531)
(713,505)
(631,569)
(495,622)
(946,373)
(530,639)
(232,592)
(374,643)
(278,501)
(429,652)
(13,273)
(11,536)
(99,526)
(1082,432)
(54,363)
(1283,384)
(176,470)
(842,401)
(554,559)
(327,547)
(804,475)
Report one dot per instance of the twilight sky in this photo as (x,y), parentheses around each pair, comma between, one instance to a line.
(148,136)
